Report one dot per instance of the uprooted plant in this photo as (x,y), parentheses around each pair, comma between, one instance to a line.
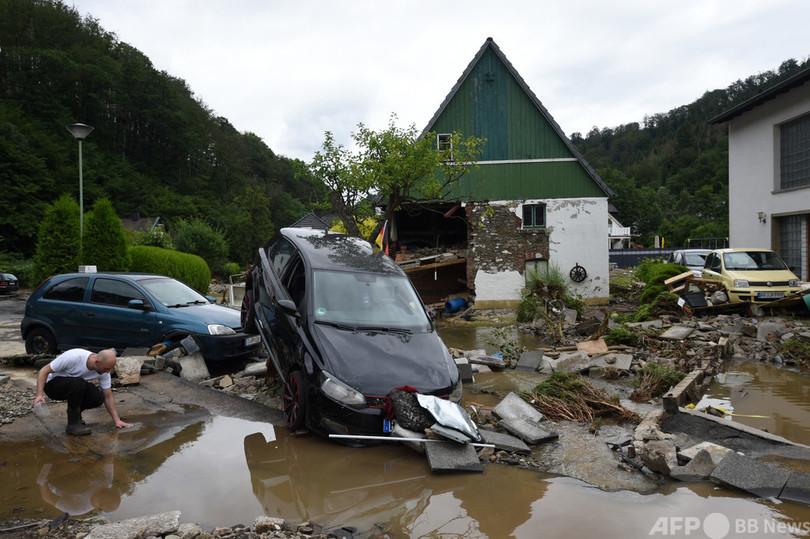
(510,348)
(653,380)
(545,298)
(567,396)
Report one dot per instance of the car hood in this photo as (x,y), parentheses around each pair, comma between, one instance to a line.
(760,276)
(375,363)
(209,313)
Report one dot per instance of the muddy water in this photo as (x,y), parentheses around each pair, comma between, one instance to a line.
(753,388)
(222,471)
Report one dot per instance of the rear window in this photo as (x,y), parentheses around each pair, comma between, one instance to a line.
(68,290)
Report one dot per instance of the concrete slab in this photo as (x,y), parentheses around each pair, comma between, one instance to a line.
(150,525)
(513,406)
(483,359)
(530,361)
(717,452)
(758,478)
(194,368)
(464,369)
(700,468)
(142,351)
(452,457)
(504,442)
(768,329)
(257,368)
(571,362)
(613,361)
(530,432)
(677,333)
(660,456)
(797,488)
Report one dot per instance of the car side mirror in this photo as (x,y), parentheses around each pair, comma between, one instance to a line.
(139,304)
(288,307)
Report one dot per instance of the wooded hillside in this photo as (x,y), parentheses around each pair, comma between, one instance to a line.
(156,149)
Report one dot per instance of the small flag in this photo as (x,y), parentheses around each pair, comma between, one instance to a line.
(382,238)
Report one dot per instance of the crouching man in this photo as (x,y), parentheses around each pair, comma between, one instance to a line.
(68,378)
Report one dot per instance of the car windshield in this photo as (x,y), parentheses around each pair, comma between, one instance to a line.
(170,293)
(367,300)
(753,261)
(695,259)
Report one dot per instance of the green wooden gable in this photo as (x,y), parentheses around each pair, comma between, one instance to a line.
(526,156)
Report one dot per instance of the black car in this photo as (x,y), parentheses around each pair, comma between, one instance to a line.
(122,310)
(343,326)
(8,283)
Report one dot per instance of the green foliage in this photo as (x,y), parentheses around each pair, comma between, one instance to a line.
(509,347)
(157,237)
(653,380)
(197,237)
(230,268)
(251,225)
(663,303)
(156,149)
(622,335)
(58,249)
(796,351)
(396,163)
(104,244)
(185,267)
(545,292)
(19,267)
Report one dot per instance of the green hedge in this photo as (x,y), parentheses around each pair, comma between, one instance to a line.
(185,267)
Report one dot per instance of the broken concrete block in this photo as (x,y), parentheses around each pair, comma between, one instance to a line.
(128,369)
(767,329)
(529,361)
(758,478)
(135,352)
(621,362)
(717,452)
(154,525)
(449,457)
(660,456)
(504,442)
(481,358)
(513,406)
(194,368)
(464,369)
(571,362)
(797,488)
(529,431)
(677,333)
(698,469)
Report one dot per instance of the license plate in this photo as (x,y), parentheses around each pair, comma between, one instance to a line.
(770,295)
(253,339)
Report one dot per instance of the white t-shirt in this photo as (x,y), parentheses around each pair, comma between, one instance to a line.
(73,364)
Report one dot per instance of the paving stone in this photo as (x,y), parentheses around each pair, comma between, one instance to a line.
(530,432)
(797,488)
(677,333)
(513,406)
(571,362)
(717,452)
(505,442)
(698,469)
(135,352)
(613,361)
(758,478)
(529,361)
(480,358)
(450,457)
(464,369)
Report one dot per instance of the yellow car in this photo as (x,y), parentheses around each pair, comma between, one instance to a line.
(755,275)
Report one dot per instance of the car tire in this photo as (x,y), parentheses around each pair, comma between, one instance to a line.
(247,315)
(40,341)
(294,400)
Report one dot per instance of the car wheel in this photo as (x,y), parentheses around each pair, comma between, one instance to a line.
(248,317)
(294,400)
(40,341)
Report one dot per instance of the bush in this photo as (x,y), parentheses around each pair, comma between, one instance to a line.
(156,237)
(653,380)
(187,268)
(197,237)
(105,244)
(622,335)
(58,242)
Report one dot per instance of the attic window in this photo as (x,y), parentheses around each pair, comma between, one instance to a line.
(534,216)
(444,142)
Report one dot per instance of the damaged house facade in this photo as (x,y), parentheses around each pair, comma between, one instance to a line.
(533,202)
(769,171)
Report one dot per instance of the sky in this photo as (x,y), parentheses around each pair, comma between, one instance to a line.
(289,71)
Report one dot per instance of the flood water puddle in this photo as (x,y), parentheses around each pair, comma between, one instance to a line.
(222,471)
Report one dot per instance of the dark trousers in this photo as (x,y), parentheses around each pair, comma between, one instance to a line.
(79,393)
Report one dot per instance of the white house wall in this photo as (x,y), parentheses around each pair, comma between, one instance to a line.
(576,228)
(754,170)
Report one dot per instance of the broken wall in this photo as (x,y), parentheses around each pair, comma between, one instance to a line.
(500,251)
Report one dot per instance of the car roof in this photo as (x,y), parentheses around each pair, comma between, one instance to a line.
(336,251)
(742,250)
(126,275)
(698,251)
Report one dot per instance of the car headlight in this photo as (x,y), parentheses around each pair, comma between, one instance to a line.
(794,283)
(457,393)
(340,392)
(740,283)
(219,329)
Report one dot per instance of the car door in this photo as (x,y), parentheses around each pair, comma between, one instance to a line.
(61,307)
(713,268)
(110,322)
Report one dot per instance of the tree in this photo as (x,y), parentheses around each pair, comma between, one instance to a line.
(395,164)
(197,237)
(58,246)
(251,226)
(104,243)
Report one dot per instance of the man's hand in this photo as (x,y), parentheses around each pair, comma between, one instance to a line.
(122,424)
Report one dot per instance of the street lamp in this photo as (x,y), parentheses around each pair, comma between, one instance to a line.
(80,132)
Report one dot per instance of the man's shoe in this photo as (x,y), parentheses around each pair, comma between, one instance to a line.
(75,424)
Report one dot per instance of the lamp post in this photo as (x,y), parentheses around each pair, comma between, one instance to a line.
(80,132)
